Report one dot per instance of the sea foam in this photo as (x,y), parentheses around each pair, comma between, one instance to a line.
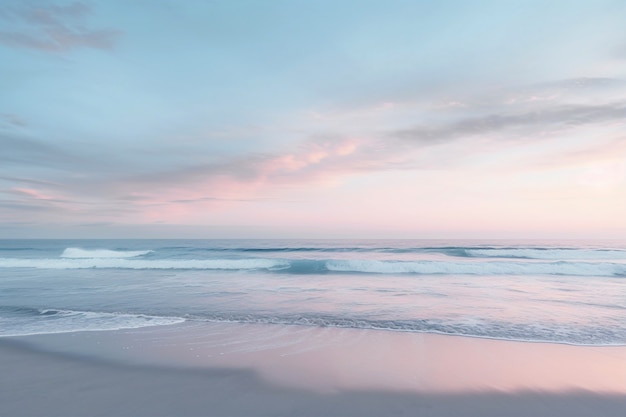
(478,268)
(46,321)
(354,266)
(78,253)
(121,263)
(547,253)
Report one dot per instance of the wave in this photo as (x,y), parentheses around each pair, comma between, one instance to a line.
(544,253)
(313,266)
(120,263)
(574,335)
(455,268)
(29,321)
(22,321)
(479,268)
(78,253)
(540,253)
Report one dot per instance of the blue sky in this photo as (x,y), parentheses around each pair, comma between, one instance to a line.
(312,118)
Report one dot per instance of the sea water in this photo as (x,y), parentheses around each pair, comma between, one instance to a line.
(564,292)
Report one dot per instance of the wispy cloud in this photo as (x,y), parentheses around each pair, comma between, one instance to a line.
(583,83)
(10,120)
(22,150)
(325,159)
(95,182)
(620,51)
(34,194)
(52,27)
(29,181)
(524,122)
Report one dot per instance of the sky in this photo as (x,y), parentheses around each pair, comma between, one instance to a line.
(312,119)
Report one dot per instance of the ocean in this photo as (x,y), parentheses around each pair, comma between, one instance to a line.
(571,292)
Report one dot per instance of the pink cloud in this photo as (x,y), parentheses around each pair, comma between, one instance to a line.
(32,193)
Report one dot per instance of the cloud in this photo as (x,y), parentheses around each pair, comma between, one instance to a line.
(32,193)
(603,152)
(107,183)
(33,198)
(524,122)
(29,181)
(236,178)
(583,83)
(20,206)
(212,199)
(11,120)
(53,28)
(326,159)
(620,51)
(27,151)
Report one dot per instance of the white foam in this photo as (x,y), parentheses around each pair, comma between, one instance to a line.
(83,263)
(512,267)
(78,253)
(67,321)
(556,254)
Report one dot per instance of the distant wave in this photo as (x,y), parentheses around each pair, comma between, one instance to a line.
(78,253)
(120,263)
(312,266)
(540,253)
(546,253)
(29,321)
(479,268)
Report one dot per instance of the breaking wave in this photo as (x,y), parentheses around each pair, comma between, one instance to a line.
(120,263)
(539,253)
(355,266)
(586,336)
(479,268)
(545,253)
(78,253)
(22,321)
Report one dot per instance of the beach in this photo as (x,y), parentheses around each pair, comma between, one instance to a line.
(233,369)
(312,328)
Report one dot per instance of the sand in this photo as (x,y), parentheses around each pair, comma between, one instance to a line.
(217,369)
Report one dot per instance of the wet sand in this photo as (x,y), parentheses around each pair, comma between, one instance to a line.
(227,369)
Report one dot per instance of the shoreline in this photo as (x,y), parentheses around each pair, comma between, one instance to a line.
(374,329)
(191,369)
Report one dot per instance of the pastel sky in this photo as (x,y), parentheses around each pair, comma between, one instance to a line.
(325,118)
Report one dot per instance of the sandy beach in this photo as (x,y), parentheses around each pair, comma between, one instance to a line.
(228,369)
